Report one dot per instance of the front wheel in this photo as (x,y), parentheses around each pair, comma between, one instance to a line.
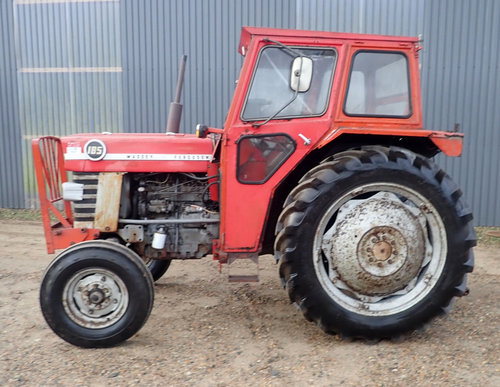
(374,243)
(96,294)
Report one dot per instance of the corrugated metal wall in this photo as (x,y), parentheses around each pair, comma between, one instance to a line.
(461,78)
(386,17)
(82,66)
(69,73)
(156,33)
(11,138)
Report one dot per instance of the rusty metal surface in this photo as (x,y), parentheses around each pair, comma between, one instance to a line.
(108,201)
(132,233)
(377,245)
(95,298)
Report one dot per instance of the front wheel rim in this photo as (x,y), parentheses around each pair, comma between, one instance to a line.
(95,298)
(379,282)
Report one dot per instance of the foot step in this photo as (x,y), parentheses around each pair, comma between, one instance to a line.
(243,267)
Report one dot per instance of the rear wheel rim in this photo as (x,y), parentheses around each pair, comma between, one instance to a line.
(388,279)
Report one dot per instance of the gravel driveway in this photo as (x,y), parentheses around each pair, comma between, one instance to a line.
(206,331)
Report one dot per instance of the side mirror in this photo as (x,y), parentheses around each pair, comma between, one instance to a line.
(300,78)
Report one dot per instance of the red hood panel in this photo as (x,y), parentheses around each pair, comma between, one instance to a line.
(136,152)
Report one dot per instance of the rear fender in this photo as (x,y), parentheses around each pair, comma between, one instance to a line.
(450,143)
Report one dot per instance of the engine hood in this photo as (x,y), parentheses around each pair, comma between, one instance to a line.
(137,152)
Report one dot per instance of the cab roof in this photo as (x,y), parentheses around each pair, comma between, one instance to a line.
(275,33)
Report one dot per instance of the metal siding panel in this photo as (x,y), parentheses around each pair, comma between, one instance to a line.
(489,102)
(53,39)
(387,17)
(494,119)
(208,32)
(461,85)
(11,160)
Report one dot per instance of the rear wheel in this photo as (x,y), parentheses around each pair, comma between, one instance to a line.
(374,243)
(157,267)
(96,294)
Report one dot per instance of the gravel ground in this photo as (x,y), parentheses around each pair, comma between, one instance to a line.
(206,331)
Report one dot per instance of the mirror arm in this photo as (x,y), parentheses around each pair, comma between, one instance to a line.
(298,54)
(258,124)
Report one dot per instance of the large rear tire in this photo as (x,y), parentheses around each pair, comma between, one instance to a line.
(374,243)
(158,267)
(96,294)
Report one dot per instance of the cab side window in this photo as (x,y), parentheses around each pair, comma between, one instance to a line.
(379,85)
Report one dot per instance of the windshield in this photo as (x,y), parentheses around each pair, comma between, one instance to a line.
(270,89)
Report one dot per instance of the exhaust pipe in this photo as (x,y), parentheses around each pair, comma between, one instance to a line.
(175,111)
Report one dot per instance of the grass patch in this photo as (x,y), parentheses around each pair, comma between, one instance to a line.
(485,240)
(19,214)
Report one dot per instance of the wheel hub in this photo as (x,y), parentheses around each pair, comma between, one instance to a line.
(376,246)
(95,294)
(95,298)
(382,251)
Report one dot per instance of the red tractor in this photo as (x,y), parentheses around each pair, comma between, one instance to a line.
(322,161)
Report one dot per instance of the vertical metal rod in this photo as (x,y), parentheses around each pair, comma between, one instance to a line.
(176,243)
(180,79)
(175,111)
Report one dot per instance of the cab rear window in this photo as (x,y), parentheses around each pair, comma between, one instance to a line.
(379,85)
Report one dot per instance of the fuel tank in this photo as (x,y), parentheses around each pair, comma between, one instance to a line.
(137,152)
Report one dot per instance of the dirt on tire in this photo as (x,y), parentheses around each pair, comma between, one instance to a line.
(206,331)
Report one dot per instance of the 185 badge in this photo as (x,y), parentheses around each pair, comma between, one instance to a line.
(95,150)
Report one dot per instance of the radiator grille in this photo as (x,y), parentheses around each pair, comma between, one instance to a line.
(84,210)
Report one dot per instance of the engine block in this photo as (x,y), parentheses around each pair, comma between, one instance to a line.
(154,197)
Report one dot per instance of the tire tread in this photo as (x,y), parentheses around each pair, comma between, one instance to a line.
(326,173)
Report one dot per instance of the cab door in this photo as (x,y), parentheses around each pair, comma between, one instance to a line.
(278,122)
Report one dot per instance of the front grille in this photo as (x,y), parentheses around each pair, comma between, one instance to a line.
(84,210)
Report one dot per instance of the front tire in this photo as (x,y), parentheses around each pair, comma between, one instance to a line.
(96,294)
(374,243)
